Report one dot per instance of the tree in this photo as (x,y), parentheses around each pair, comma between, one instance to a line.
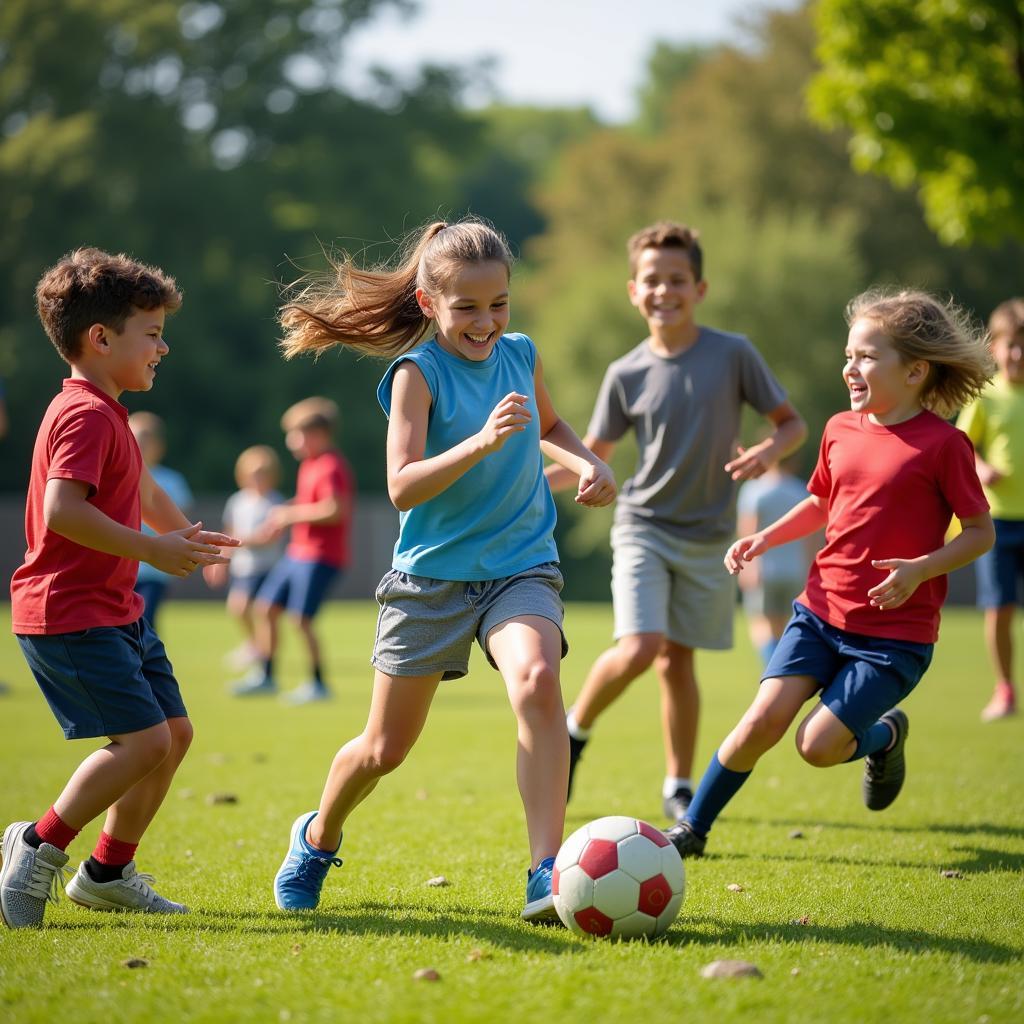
(933,92)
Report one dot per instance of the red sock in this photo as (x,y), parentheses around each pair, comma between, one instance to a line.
(112,851)
(51,829)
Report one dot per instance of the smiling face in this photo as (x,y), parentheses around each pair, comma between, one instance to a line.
(472,312)
(665,290)
(132,354)
(879,381)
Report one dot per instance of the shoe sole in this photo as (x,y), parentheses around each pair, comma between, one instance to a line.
(102,906)
(541,910)
(302,820)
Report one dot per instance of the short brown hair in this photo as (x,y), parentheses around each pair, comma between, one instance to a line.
(310,414)
(1006,319)
(939,333)
(666,234)
(89,286)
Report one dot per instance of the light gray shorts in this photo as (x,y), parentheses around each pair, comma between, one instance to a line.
(772,597)
(427,626)
(666,584)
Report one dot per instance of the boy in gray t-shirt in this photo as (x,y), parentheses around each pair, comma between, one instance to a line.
(682,391)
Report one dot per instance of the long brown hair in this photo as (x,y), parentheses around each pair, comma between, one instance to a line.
(375,310)
(941,334)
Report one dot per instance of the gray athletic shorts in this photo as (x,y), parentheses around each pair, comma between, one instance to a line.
(427,626)
(666,584)
(772,597)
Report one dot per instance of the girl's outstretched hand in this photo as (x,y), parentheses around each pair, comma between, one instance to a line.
(896,589)
(597,486)
(508,417)
(743,550)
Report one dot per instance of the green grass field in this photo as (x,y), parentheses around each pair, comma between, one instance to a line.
(852,922)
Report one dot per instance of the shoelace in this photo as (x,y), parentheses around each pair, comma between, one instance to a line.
(47,880)
(140,882)
(314,868)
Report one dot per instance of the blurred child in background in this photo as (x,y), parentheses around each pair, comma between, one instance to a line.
(769,585)
(320,520)
(149,432)
(995,423)
(247,518)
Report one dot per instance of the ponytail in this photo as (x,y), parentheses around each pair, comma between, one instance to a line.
(375,311)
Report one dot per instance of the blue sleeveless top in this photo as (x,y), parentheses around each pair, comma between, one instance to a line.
(498,518)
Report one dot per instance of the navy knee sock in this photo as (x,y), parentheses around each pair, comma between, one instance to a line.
(718,786)
(877,738)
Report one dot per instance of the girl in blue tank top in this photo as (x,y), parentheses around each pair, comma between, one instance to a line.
(468,419)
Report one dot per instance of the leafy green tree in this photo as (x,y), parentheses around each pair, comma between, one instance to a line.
(933,93)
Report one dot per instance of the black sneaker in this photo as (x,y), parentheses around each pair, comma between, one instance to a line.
(575,752)
(676,805)
(685,840)
(885,770)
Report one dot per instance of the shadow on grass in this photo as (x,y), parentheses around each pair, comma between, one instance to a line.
(959,828)
(862,934)
(368,918)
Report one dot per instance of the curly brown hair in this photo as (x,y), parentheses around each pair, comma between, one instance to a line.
(941,334)
(90,286)
(666,234)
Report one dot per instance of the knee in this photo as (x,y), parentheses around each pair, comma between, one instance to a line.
(762,729)
(182,735)
(384,754)
(151,749)
(538,694)
(640,650)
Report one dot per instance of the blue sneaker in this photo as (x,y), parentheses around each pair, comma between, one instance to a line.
(540,904)
(300,878)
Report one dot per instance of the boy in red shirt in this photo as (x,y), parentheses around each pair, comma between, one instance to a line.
(79,622)
(891,474)
(319,517)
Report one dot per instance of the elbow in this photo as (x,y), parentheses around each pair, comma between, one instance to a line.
(989,537)
(399,497)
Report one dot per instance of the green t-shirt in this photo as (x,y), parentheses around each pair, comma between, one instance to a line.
(995,425)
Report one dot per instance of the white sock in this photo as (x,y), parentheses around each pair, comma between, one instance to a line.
(671,784)
(576,731)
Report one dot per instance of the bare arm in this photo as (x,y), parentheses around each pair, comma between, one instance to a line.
(907,574)
(413,479)
(67,511)
(158,509)
(790,433)
(559,442)
(331,509)
(802,519)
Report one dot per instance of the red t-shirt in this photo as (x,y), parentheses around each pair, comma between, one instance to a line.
(62,586)
(319,478)
(891,493)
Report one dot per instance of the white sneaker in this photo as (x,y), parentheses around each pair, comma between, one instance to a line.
(131,891)
(307,693)
(29,878)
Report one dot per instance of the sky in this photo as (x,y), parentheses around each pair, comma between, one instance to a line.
(545,52)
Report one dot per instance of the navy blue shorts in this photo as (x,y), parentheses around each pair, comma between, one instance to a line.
(248,585)
(106,680)
(298,586)
(1000,570)
(861,677)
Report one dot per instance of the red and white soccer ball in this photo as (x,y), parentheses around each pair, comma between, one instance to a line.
(618,877)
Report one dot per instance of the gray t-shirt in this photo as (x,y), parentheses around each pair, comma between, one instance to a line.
(769,498)
(245,511)
(685,410)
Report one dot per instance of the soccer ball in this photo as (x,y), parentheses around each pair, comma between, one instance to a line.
(619,877)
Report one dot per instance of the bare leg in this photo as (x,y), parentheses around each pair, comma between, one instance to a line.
(240,607)
(304,624)
(765,722)
(130,816)
(680,707)
(265,618)
(823,740)
(999,640)
(613,671)
(528,652)
(106,775)
(398,712)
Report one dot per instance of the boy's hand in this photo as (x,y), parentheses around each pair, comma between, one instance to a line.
(749,463)
(216,576)
(597,486)
(181,552)
(508,417)
(899,585)
(743,550)
(988,475)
